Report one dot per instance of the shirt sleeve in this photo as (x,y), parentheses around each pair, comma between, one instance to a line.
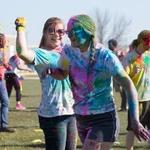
(44,57)
(113,64)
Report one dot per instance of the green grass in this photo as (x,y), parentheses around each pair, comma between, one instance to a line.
(27,135)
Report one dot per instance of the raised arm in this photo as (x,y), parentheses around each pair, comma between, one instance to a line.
(21,45)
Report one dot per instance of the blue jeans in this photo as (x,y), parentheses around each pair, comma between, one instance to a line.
(60,132)
(4,100)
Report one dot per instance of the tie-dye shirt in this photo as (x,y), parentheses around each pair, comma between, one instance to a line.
(56,97)
(91,84)
(139,72)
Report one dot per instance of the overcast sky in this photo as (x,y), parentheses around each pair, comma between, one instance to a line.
(38,11)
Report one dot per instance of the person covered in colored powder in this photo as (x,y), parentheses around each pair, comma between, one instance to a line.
(56,115)
(139,72)
(90,71)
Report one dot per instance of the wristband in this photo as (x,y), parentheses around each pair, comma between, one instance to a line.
(20,23)
(20,28)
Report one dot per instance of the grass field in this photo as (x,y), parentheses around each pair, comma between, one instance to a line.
(29,137)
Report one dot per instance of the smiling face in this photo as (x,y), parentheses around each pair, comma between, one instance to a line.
(53,33)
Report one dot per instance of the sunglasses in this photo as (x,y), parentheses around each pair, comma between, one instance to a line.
(58,31)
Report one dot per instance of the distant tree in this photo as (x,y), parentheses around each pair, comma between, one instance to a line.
(109,27)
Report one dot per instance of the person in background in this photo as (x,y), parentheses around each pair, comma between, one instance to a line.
(12,79)
(139,72)
(90,72)
(113,45)
(4,100)
(56,115)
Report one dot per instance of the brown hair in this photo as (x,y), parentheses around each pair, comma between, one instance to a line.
(143,34)
(134,44)
(112,44)
(51,22)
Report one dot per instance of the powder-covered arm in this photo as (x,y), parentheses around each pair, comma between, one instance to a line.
(21,45)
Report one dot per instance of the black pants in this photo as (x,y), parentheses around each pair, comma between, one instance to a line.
(12,80)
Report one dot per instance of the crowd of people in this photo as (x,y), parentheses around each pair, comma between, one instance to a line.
(8,80)
(77,85)
(14,79)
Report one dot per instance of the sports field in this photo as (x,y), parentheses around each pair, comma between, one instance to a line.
(28,136)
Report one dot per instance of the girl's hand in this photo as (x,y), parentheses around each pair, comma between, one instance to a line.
(20,23)
(139,131)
